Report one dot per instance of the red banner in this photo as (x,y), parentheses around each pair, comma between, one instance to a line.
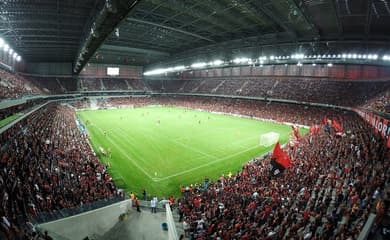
(381,125)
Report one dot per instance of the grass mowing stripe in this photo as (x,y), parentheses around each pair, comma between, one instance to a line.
(177,151)
(204,165)
(125,154)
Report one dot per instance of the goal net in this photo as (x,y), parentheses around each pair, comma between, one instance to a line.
(268,139)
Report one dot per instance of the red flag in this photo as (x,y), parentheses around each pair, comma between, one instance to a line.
(337,126)
(296,132)
(281,157)
(384,128)
(388,142)
(312,130)
(318,128)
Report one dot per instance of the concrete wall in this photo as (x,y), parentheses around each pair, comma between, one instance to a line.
(92,223)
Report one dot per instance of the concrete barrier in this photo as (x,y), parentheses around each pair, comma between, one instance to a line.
(88,224)
(172,233)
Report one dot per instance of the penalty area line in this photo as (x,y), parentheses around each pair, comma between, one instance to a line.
(125,154)
(201,166)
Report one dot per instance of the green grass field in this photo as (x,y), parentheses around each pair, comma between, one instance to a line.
(178,150)
(8,120)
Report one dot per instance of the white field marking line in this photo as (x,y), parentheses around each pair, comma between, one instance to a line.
(220,149)
(203,165)
(112,171)
(125,154)
(126,139)
(217,159)
(186,146)
(151,146)
(156,179)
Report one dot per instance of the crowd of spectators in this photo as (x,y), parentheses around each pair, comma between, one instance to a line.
(55,85)
(279,112)
(16,86)
(109,84)
(344,93)
(381,103)
(47,165)
(328,192)
(9,111)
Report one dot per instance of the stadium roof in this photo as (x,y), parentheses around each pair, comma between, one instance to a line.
(151,31)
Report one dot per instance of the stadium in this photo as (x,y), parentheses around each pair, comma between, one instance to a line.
(202,119)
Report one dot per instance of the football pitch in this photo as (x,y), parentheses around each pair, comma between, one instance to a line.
(161,148)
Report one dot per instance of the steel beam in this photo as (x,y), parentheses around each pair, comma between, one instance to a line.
(367,26)
(170,28)
(115,48)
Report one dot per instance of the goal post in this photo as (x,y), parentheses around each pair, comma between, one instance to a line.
(268,139)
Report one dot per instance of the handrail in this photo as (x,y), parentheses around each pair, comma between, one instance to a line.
(172,233)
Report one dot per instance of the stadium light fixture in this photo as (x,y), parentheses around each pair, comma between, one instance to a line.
(10,51)
(217,62)
(375,56)
(179,68)
(242,60)
(18,58)
(330,64)
(6,47)
(272,57)
(156,72)
(14,55)
(314,64)
(199,65)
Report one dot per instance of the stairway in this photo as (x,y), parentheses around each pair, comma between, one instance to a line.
(179,225)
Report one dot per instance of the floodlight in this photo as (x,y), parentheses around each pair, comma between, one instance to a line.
(18,58)
(199,65)
(14,55)
(6,47)
(178,68)
(330,65)
(217,62)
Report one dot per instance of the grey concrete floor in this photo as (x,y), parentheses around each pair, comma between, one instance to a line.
(139,226)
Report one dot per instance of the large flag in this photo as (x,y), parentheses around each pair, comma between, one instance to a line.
(325,120)
(279,161)
(337,126)
(312,130)
(296,132)
(388,141)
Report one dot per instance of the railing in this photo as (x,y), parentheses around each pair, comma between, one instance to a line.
(63,213)
(367,227)
(172,233)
